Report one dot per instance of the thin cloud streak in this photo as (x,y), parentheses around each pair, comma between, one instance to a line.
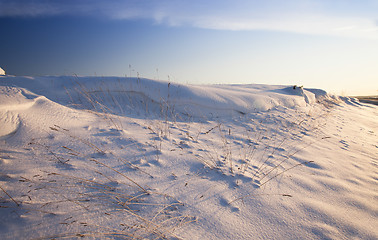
(297,16)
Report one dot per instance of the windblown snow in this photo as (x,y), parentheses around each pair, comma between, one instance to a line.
(134,158)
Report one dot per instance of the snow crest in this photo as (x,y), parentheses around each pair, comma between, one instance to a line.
(146,96)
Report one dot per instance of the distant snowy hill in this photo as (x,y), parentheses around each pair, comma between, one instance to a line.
(135,158)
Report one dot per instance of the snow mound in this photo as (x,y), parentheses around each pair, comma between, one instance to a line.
(130,96)
(2,72)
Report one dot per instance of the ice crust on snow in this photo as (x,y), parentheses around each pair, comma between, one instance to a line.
(109,157)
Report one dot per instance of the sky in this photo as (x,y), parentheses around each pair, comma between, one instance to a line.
(332,45)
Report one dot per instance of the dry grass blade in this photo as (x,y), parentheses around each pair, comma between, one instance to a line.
(299,164)
(9,196)
(262,194)
(275,176)
(123,235)
(123,175)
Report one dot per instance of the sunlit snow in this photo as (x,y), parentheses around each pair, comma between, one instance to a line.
(125,158)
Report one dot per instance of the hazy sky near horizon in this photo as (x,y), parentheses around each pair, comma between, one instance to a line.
(325,44)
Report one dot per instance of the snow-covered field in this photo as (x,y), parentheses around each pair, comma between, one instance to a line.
(117,158)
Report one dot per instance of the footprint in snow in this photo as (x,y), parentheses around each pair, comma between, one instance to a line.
(223,202)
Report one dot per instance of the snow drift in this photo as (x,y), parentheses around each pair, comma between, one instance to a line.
(133,158)
(142,95)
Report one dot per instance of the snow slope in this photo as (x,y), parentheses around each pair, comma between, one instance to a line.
(129,158)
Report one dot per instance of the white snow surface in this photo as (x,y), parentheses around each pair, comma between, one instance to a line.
(2,72)
(130,158)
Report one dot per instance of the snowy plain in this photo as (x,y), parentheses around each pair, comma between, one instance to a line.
(134,158)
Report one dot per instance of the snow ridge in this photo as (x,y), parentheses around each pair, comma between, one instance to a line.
(192,100)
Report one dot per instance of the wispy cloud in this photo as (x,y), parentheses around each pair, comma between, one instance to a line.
(320,17)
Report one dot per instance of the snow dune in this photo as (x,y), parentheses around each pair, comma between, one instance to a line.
(134,158)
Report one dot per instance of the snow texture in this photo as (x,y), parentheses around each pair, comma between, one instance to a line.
(134,158)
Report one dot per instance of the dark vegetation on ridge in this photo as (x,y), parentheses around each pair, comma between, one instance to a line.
(368,99)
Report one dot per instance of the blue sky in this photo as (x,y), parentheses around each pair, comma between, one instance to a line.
(331,45)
